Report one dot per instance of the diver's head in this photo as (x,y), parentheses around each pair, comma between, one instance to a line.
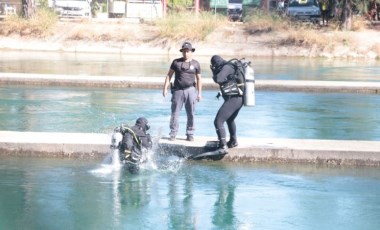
(143,123)
(216,62)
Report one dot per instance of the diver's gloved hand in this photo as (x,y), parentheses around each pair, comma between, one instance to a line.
(218,95)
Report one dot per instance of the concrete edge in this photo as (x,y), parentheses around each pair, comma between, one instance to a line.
(157,83)
(95,145)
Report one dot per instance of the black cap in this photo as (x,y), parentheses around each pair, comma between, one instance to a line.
(187,45)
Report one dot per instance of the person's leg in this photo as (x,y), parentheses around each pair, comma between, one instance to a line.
(236,104)
(190,99)
(177,103)
(225,112)
(219,120)
(323,17)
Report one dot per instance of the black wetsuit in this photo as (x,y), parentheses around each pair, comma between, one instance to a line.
(230,108)
(140,128)
(135,142)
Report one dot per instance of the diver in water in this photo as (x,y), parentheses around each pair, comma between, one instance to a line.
(223,74)
(133,143)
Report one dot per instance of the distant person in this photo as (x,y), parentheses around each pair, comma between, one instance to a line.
(325,9)
(186,90)
(223,72)
(373,11)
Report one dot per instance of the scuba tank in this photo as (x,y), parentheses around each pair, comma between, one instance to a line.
(249,94)
(116,138)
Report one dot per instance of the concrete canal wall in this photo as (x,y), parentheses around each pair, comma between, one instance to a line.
(158,82)
(95,145)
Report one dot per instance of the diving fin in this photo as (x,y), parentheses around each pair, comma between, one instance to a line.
(213,155)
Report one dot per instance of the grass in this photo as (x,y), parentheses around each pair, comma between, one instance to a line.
(108,34)
(40,25)
(292,33)
(184,26)
(258,21)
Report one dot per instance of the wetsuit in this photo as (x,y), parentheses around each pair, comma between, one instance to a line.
(140,129)
(184,92)
(232,104)
(135,143)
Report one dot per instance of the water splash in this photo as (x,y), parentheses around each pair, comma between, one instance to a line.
(116,159)
(152,160)
(111,163)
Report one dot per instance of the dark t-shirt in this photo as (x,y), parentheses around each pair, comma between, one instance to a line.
(185,72)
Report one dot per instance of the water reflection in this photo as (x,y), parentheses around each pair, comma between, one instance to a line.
(59,194)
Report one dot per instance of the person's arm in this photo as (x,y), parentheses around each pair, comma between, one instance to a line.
(199,86)
(167,82)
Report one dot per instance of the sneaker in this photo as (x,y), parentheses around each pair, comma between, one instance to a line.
(232,144)
(190,138)
(172,138)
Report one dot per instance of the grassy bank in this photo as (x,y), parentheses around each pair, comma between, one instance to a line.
(40,25)
(277,31)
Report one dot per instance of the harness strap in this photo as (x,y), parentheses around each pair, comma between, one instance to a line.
(138,141)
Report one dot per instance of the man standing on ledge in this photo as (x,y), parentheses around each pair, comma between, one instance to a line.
(187,88)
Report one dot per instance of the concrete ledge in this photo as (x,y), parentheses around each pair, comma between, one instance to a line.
(93,145)
(157,83)
(43,144)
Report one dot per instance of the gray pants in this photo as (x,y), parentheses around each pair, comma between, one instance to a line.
(179,98)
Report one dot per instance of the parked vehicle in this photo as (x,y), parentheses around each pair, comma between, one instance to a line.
(73,8)
(304,10)
(235,10)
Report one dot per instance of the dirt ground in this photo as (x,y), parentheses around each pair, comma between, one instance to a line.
(133,37)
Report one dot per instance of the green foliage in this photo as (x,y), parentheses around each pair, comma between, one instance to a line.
(44,4)
(95,7)
(179,5)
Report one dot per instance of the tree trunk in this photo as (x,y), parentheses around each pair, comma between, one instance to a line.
(264,5)
(346,15)
(28,8)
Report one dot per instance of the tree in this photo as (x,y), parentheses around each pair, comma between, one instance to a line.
(28,8)
(346,15)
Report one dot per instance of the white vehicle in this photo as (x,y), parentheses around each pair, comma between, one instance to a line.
(73,8)
(304,10)
(235,10)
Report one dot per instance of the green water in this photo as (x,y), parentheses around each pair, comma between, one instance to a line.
(39,193)
(281,68)
(276,114)
(170,193)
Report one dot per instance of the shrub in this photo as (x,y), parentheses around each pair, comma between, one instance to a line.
(186,26)
(40,25)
